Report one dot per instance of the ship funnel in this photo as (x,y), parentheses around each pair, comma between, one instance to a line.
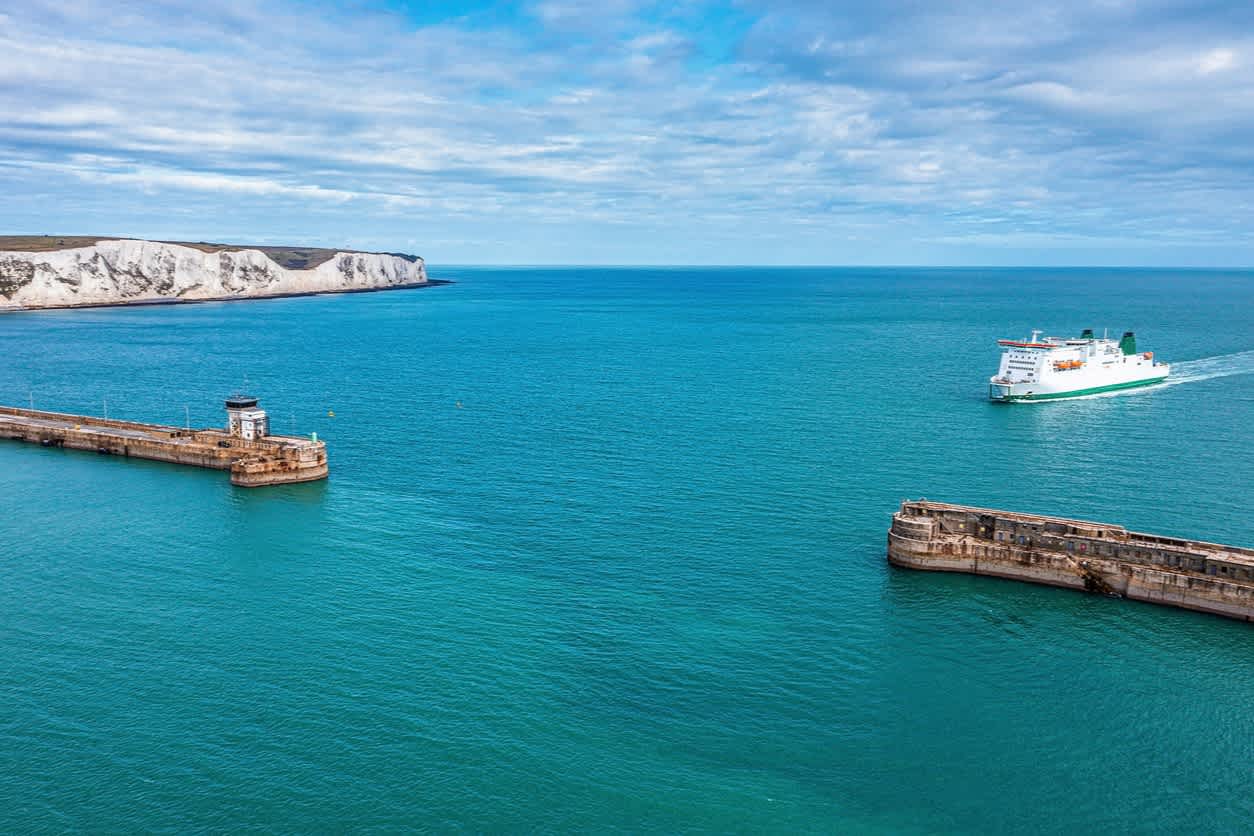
(1128,343)
(1087,335)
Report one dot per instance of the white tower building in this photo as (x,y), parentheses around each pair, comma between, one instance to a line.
(245,420)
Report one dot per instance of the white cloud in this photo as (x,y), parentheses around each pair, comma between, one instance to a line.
(953,116)
(1216,60)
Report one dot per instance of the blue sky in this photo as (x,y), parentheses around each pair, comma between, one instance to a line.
(625,132)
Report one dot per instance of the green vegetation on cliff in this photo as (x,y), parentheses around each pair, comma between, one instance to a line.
(290,258)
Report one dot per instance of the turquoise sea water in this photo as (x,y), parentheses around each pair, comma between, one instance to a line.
(636,580)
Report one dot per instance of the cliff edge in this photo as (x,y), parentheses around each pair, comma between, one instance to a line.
(67,272)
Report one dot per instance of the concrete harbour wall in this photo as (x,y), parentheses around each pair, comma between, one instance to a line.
(1074,554)
(272,460)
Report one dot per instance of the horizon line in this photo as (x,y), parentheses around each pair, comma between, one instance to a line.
(682,265)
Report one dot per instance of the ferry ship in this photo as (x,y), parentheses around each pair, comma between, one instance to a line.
(1039,369)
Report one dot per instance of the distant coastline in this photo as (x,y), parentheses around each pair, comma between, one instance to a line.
(150,303)
(57,272)
(289,257)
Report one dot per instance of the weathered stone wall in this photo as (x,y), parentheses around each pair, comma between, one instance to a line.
(257,473)
(1074,554)
(270,461)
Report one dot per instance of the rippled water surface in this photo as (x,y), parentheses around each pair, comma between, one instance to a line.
(604,549)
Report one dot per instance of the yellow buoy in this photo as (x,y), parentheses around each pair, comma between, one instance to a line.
(330,413)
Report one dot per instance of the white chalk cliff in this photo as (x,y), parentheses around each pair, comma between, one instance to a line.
(115,272)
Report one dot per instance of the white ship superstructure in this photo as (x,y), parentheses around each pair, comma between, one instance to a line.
(1046,368)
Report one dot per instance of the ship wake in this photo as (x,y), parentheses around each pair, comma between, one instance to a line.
(1209,368)
(1186,371)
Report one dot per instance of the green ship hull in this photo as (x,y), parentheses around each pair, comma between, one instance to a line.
(1077,393)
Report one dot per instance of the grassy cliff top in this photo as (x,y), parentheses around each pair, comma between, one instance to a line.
(291,258)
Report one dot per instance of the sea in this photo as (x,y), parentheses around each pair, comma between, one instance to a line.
(603,550)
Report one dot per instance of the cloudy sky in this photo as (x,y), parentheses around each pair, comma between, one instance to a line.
(617,131)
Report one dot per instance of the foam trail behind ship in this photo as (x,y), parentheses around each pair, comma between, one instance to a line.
(1186,371)
(1208,368)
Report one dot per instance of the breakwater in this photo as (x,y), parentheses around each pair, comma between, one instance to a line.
(245,448)
(1096,557)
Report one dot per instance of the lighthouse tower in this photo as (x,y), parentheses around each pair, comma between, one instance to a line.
(245,420)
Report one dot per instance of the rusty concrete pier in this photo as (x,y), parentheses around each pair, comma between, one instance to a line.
(253,456)
(1096,557)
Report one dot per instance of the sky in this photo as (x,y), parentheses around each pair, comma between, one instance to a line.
(1102,132)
